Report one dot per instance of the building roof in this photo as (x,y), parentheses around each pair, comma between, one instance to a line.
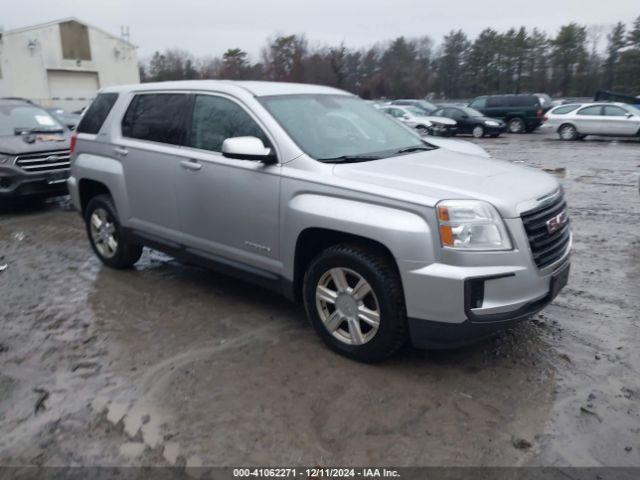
(63,20)
(256,88)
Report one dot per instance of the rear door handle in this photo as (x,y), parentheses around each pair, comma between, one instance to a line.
(121,151)
(191,165)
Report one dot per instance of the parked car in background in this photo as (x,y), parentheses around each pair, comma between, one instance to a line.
(576,121)
(471,121)
(425,124)
(521,112)
(382,237)
(424,105)
(34,151)
(68,119)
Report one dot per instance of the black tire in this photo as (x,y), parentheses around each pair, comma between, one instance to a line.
(516,125)
(381,274)
(478,131)
(568,132)
(126,254)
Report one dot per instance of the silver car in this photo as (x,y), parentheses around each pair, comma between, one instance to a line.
(576,121)
(382,236)
(415,117)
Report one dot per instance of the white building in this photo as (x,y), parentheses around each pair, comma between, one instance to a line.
(63,63)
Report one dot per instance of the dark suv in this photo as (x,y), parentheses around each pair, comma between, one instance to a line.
(34,151)
(521,112)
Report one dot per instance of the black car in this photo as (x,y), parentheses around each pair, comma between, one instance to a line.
(34,151)
(472,122)
(521,112)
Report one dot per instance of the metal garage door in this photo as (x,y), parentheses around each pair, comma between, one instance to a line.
(72,90)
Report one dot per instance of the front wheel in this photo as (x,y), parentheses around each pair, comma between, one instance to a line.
(478,131)
(568,132)
(106,236)
(353,297)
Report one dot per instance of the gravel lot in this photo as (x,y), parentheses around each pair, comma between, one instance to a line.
(173,365)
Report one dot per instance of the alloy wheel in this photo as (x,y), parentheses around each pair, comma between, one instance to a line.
(478,131)
(103,232)
(347,306)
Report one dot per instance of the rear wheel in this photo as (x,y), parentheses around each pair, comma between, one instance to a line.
(353,297)
(478,131)
(567,132)
(106,235)
(516,125)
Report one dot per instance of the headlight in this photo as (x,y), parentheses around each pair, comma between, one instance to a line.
(491,123)
(471,225)
(4,158)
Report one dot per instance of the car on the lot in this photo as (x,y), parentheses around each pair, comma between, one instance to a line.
(427,107)
(382,236)
(424,124)
(68,119)
(521,112)
(34,151)
(576,121)
(472,122)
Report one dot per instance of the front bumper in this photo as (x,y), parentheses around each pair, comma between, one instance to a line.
(471,295)
(15,183)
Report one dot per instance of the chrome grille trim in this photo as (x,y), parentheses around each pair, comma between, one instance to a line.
(37,162)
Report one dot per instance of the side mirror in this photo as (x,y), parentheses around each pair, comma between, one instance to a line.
(405,117)
(247,148)
(629,115)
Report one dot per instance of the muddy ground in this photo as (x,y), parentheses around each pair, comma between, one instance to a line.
(173,365)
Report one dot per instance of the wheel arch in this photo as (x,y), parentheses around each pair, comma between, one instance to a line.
(88,189)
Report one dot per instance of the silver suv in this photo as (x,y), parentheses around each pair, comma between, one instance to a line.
(311,192)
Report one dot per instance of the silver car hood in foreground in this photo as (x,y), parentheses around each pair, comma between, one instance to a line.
(440,174)
(460,146)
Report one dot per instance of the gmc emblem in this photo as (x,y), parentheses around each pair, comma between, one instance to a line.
(556,223)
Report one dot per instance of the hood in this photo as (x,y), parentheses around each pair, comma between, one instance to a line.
(443,174)
(460,146)
(42,142)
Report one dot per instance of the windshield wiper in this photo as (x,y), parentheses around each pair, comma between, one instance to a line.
(350,158)
(413,149)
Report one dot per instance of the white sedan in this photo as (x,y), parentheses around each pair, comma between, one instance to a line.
(576,121)
(415,118)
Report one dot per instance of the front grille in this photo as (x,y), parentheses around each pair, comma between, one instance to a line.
(44,161)
(547,247)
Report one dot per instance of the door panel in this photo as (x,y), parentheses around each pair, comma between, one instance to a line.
(153,129)
(616,122)
(228,207)
(588,120)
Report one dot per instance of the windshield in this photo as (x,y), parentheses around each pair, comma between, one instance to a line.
(635,110)
(17,119)
(418,112)
(330,127)
(472,112)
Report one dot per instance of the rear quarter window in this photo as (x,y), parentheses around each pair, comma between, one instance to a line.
(97,113)
(565,109)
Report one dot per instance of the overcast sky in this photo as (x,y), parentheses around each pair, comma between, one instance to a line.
(209,27)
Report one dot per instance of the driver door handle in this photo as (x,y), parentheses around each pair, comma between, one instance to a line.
(121,151)
(191,165)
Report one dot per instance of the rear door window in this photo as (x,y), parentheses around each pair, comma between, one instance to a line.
(594,110)
(497,101)
(157,117)
(215,119)
(97,112)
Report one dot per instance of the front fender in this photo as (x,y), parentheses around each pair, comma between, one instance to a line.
(405,233)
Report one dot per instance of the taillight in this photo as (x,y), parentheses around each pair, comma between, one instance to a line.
(540,113)
(74,140)
(545,119)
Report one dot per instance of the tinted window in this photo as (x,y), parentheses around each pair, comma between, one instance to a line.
(613,111)
(496,101)
(564,109)
(215,119)
(596,110)
(452,113)
(157,117)
(479,103)
(97,113)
